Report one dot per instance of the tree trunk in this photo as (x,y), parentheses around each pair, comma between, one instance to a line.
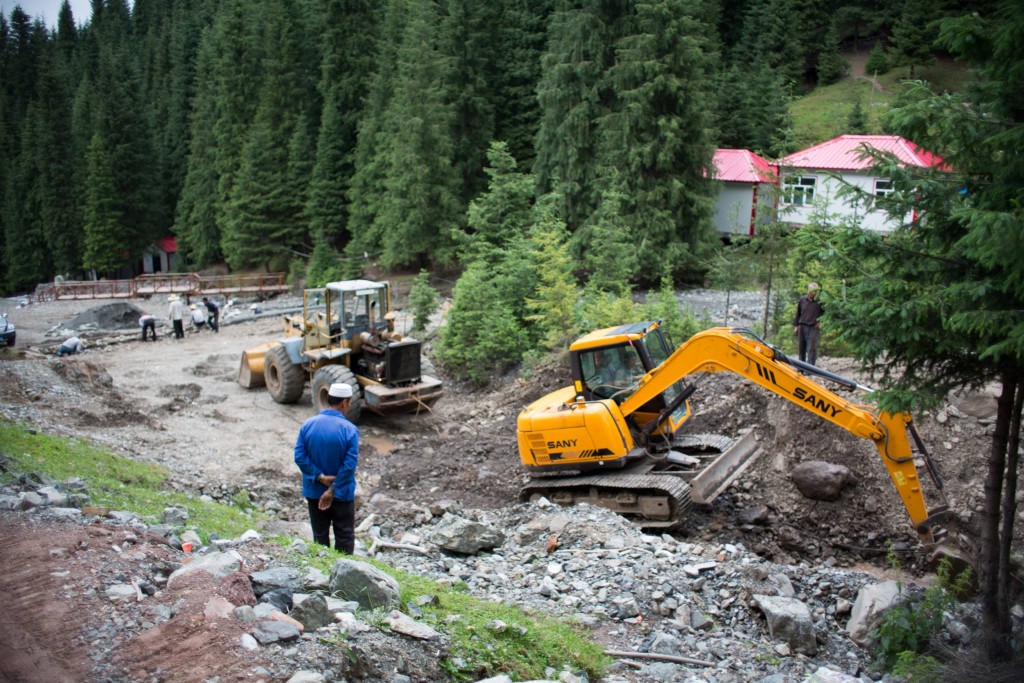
(988,567)
(1009,514)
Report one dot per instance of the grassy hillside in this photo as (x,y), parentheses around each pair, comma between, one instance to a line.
(823,113)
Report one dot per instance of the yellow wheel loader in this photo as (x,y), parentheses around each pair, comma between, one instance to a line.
(345,333)
(612,438)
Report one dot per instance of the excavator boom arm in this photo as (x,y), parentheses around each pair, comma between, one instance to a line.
(724,349)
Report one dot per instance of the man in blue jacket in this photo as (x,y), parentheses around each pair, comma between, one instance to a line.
(327,452)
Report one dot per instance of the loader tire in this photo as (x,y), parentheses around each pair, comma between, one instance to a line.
(335,374)
(285,380)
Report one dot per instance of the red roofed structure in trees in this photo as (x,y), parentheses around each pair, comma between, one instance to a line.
(811,179)
(748,192)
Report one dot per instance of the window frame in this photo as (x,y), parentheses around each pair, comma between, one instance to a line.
(799,189)
(883,193)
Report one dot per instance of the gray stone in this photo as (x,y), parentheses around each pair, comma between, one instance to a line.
(307,677)
(789,621)
(52,496)
(273,631)
(365,584)
(281,598)
(278,577)
(218,564)
(315,580)
(248,642)
(120,591)
(175,516)
(871,603)
(264,610)
(824,674)
(192,537)
(61,513)
(10,503)
(700,622)
(666,644)
(754,514)
(402,623)
(312,612)
(464,536)
(819,480)
(29,500)
(245,614)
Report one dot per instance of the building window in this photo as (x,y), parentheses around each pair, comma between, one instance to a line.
(883,188)
(799,190)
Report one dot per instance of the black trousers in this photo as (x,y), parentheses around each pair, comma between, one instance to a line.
(149,325)
(342,516)
(215,322)
(179,329)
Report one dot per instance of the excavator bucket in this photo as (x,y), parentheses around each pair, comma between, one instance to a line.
(250,371)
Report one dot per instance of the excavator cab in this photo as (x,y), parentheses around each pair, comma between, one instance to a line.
(609,364)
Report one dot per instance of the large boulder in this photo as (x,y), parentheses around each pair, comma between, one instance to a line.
(819,480)
(872,602)
(277,577)
(789,621)
(461,535)
(365,584)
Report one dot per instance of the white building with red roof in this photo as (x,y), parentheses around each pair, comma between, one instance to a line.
(810,180)
(748,191)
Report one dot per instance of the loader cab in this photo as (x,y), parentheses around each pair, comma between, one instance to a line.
(358,306)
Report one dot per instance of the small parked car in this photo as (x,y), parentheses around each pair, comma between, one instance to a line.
(7,334)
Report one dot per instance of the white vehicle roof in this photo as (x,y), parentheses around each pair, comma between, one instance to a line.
(354,285)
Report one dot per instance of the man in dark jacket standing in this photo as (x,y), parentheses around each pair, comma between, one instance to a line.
(327,452)
(806,326)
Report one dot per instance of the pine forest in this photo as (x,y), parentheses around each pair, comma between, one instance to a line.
(259,133)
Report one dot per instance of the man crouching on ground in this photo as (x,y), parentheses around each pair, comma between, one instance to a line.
(327,452)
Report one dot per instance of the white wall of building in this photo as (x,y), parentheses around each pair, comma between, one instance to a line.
(828,206)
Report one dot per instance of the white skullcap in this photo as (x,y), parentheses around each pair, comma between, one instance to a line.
(340,390)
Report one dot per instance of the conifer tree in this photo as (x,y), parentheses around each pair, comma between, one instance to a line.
(422,301)
(519,45)
(610,256)
(349,51)
(657,135)
(503,212)
(366,190)
(831,65)
(551,307)
(419,204)
(573,95)
(469,39)
(914,33)
(106,233)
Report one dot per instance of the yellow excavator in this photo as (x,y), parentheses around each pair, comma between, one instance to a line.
(346,334)
(611,439)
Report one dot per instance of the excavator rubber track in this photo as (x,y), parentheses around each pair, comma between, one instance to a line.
(654,501)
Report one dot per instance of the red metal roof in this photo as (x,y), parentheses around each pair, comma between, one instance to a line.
(168,244)
(846,153)
(742,166)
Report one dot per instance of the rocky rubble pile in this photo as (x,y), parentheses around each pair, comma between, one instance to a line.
(250,610)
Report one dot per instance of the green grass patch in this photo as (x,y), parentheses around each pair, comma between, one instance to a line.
(114,481)
(824,113)
(525,649)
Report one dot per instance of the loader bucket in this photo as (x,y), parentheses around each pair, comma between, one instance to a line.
(250,371)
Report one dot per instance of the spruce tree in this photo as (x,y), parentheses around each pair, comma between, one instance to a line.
(831,65)
(501,213)
(106,233)
(657,136)
(420,204)
(519,45)
(573,95)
